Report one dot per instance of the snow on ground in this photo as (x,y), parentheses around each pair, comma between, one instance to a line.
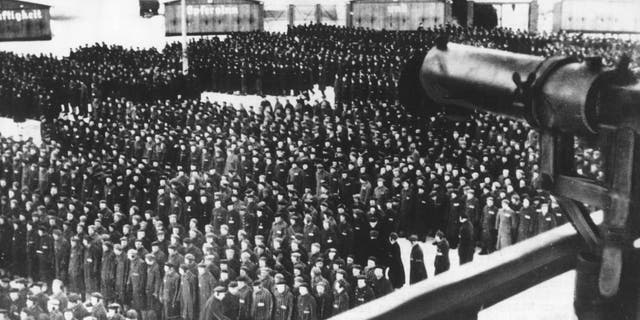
(79,22)
(550,300)
(21,131)
(247,101)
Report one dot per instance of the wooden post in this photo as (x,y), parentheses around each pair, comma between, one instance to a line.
(534,13)
(470,10)
(291,14)
(183,39)
(261,17)
(318,17)
(448,11)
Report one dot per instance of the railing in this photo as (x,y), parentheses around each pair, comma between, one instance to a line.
(475,286)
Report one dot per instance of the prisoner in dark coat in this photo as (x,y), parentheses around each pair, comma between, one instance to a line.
(97,306)
(231,306)
(436,217)
(282,301)
(76,258)
(381,285)
(340,298)
(441,262)
(505,223)
(136,282)
(417,270)
(108,272)
(214,308)
(407,206)
(78,308)
(472,210)
(18,249)
(163,206)
(394,261)
(62,251)
(324,300)
(122,274)
(206,284)
(262,302)
(467,243)
(419,223)
(363,292)
(526,221)
(153,290)
(6,234)
(91,265)
(188,292)
(170,292)
(456,208)
(488,225)
(245,294)
(546,220)
(45,254)
(32,256)
(306,307)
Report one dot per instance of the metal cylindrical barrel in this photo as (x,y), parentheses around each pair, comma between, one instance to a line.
(560,93)
(471,77)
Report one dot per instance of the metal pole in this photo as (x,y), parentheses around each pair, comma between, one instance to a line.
(183,22)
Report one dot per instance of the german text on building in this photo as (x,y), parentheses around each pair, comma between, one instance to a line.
(20,15)
(211,10)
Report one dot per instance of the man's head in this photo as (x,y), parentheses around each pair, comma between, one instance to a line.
(303,289)
(220,292)
(361,281)
(112,310)
(281,286)
(378,272)
(96,298)
(202,268)
(132,254)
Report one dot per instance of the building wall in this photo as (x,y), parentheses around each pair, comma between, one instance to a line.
(398,15)
(24,21)
(616,16)
(513,15)
(215,18)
